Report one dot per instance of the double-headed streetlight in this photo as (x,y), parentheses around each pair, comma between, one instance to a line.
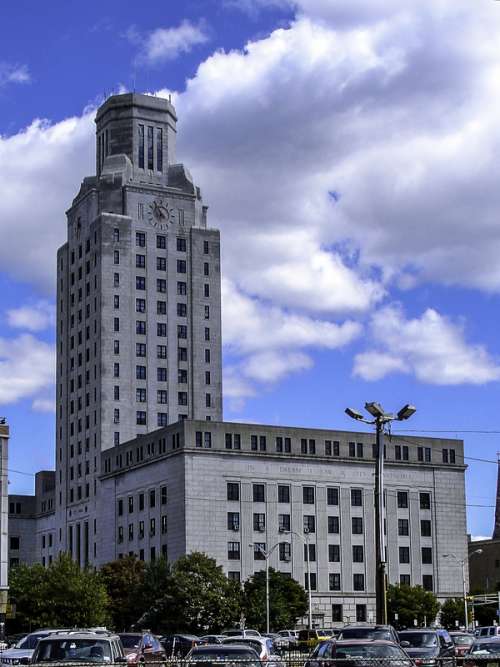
(266,554)
(380,419)
(461,562)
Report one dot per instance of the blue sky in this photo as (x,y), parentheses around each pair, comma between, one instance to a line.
(388,291)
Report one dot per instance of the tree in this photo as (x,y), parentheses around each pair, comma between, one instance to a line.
(61,595)
(410,603)
(288,600)
(124,580)
(452,611)
(152,607)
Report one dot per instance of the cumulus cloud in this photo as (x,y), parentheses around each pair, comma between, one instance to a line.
(10,73)
(165,44)
(44,405)
(37,317)
(26,368)
(432,347)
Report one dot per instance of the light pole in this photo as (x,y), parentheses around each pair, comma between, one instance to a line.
(305,539)
(381,418)
(267,555)
(461,562)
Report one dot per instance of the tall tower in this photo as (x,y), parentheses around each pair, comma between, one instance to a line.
(138,306)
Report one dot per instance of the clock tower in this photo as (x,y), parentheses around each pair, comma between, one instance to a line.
(139,313)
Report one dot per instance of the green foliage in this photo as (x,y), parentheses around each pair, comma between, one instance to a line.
(287,601)
(452,611)
(194,595)
(411,602)
(124,581)
(61,595)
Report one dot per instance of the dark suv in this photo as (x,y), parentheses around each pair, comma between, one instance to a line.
(369,631)
(427,645)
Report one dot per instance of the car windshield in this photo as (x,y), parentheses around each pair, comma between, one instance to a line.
(130,641)
(209,656)
(369,651)
(462,640)
(366,633)
(419,639)
(74,650)
(28,642)
(493,647)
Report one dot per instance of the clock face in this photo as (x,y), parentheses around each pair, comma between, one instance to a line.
(160,214)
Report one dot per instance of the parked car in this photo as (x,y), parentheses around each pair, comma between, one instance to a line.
(426,645)
(214,653)
(481,651)
(179,645)
(142,647)
(462,641)
(262,645)
(308,639)
(24,648)
(359,652)
(487,631)
(369,631)
(286,640)
(88,647)
(235,632)
(212,639)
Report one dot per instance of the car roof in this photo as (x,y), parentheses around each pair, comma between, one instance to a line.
(372,642)
(79,635)
(401,632)
(371,626)
(217,647)
(487,640)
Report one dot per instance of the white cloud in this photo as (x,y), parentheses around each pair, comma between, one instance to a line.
(32,318)
(165,44)
(10,73)
(27,367)
(431,347)
(44,405)
(271,366)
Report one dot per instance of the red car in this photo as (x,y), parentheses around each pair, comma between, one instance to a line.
(142,648)
(462,641)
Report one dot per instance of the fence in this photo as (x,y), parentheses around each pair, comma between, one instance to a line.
(492,660)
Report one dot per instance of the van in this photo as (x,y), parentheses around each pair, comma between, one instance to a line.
(488,631)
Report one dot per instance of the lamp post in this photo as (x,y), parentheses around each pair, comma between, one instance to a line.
(461,562)
(266,554)
(305,540)
(381,418)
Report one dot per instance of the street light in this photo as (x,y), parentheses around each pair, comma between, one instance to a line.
(462,561)
(305,539)
(267,554)
(380,419)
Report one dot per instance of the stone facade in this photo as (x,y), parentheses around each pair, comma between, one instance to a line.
(322,479)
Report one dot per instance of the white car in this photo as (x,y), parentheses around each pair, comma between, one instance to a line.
(23,649)
(264,647)
(248,632)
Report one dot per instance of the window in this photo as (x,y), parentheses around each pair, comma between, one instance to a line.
(360,612)
(426,556)
(150,148)
(159,149)
(284,523)
(208,400)
(162,419)
(332,496)
(404,580)
(116,326)
(161,264)
(181,331)
(161,285)
(161,329)
(161,396)
(402,499)
(308,495)
(140,261)
(452,456)
(333,524)
(357,525)
(130,504)
(140,129)
(352,449)
(116,370)
(140,305)
(334,581)
(205,248)
(207,356)
(182,398)
(140,418)
(206,269)
(427,583)
(337,613)
(140,372)
(259,522)
(161,242)
(140,327)
(181,244)
(313,581)
(181,266)
(258,549)
(161,307)
(357,553)
(116,347)
(358,582)
(283,493)
(309,523)
(206,290)
(259,493)
(161,351)
(425,501)
(116,280)
(233,491)
(152,498)
(404,554)
(120,507)
(356,497)
(403,527)
(425,528)
(140,282)
(14,543)
(181,310)
(285,552)
(233,551)
(334,553)
(207,333)
(233,521)
(207,312)
(181,288)
(116,392)
(140,349)
(405,453)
